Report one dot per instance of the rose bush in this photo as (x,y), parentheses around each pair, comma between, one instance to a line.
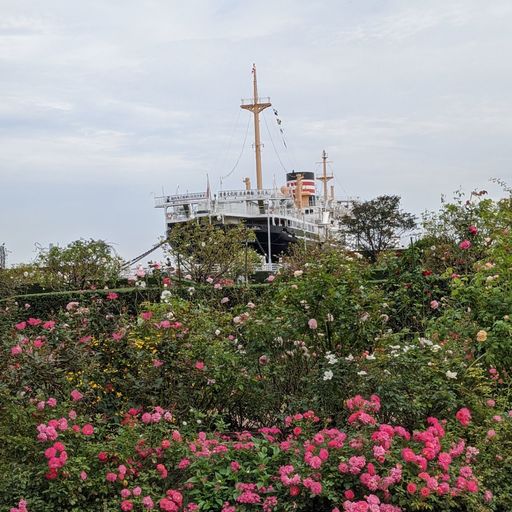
(146,460)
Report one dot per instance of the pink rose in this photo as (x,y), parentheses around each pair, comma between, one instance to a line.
(464,416)
(465,244)
(16,350)
(147,502)
(184,463)
(111,477)
(76,395)
(87,430)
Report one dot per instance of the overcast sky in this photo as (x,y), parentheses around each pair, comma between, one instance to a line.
(103,103)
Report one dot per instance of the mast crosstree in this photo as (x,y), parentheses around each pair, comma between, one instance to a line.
(258,105)
(324,178)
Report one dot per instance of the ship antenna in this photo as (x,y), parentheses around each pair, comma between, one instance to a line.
(256,105)
(324,178)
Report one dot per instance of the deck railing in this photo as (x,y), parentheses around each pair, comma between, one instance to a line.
(233,195)
(180,199)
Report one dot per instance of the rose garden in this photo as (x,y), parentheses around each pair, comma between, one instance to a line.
(340,383)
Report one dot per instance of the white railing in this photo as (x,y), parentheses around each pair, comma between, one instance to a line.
(234,195)
(180,199)
(268,267)
(250,101)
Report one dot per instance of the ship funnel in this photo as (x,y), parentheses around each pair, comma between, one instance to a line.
(307,188)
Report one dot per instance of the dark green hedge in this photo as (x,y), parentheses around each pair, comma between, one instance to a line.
(44,305)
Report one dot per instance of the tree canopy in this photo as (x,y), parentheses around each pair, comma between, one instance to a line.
(378,224)
(207,251)
(79,264)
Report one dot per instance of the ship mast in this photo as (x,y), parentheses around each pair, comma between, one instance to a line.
(257,105)
(324,178)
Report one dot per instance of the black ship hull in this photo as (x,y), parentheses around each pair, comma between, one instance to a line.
(280,239)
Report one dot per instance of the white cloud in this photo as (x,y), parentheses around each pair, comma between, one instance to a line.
(406,23)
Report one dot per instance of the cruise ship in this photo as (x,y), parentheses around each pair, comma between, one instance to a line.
(279,216)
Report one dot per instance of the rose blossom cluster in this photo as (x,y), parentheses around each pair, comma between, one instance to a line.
(158,414)
(371,503)
(376,462)
(171,502)
(56,456)
(362,409)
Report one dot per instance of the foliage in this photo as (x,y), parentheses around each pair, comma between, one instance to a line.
(205,251)
(377,224)
(79,264)
(82,264)
(49,304)
(473,220)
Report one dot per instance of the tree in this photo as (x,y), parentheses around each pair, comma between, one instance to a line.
(206,251)
(81,263)
(378,224)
